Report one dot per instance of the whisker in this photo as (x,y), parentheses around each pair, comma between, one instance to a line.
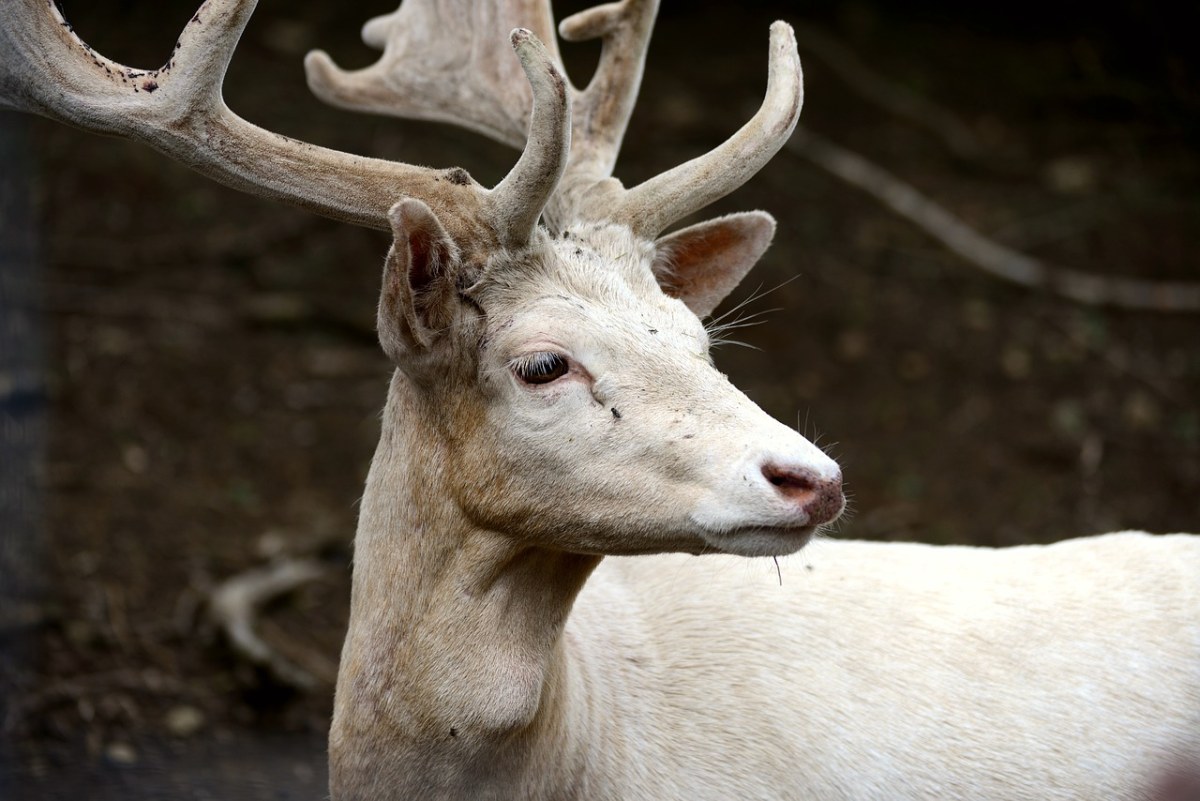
(741,322)
(717,343)
(755,295)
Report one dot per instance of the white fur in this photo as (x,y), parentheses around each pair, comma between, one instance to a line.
(494,653)
(895,671)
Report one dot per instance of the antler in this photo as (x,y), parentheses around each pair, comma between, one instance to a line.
(416,43)
(178,109)
(652,206)
(441,63)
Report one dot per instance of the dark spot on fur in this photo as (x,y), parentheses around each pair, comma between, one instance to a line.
(653,330)
(457,176)
(578,251)
(453,732)
(149,86)
(615,413)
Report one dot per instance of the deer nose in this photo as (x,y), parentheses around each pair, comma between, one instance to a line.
(819,497)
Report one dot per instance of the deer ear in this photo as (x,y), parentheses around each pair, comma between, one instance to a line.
(418,295)
(702,263)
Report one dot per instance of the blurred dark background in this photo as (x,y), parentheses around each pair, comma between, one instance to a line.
(190,385)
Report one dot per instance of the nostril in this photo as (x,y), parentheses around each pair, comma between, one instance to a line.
(819,497)
(790,480)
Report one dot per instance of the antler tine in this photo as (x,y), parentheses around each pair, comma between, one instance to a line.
(442,61)
(602,110)
(518,200)
(652,206)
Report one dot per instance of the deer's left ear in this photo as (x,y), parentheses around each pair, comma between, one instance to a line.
(417,302)
(702,263)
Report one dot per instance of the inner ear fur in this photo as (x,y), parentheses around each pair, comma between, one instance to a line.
(701,264)
(418,297)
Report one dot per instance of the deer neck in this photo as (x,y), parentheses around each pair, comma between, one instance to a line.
(454,642)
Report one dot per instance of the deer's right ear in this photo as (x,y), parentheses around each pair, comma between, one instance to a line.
(418,280)
(702,263)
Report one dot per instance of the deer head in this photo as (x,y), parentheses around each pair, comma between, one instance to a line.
(586,413)
(546,329)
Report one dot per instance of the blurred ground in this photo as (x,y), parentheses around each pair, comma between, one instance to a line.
(211,383)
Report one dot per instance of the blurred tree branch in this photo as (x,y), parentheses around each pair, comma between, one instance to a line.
(987,254)
(889,95)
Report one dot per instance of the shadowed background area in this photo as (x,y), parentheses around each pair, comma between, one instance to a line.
(190,383)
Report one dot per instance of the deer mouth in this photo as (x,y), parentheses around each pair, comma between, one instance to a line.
(762,540)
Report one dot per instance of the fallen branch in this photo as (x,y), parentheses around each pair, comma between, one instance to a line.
(234,606)
(889,95)
(988,255)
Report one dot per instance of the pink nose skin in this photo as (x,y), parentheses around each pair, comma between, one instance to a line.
(820,498)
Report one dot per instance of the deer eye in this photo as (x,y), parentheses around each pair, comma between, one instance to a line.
(540,368)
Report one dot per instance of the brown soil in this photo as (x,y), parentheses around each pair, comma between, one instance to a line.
(211,385)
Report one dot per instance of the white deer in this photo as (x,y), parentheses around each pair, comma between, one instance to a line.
(526,621)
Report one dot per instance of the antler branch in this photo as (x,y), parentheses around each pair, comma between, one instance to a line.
(601,111)
(417,78)
(442,62)
(178,110)
(518,200)
(652,206)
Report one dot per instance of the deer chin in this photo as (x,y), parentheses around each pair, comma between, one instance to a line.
(761,540)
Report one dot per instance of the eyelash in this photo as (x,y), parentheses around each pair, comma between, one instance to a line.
(542,367)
